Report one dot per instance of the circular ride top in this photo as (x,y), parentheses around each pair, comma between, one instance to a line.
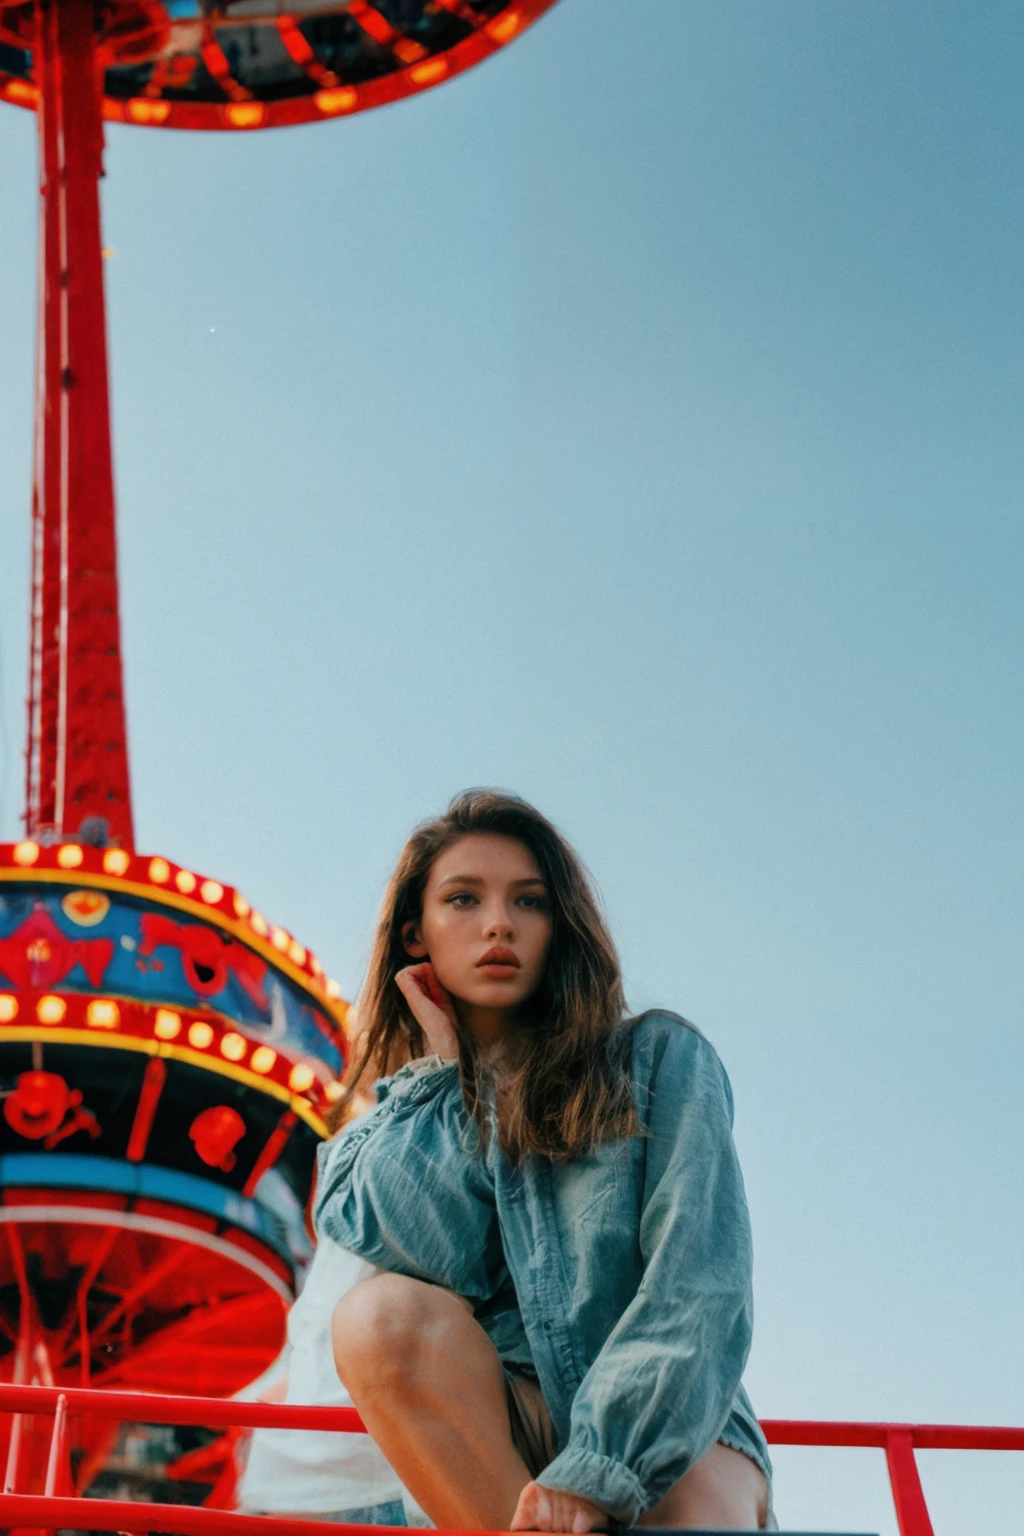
(245,64)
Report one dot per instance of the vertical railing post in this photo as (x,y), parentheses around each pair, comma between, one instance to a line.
(13,1455)
(907,1494)
(55,1466)
(22,1372)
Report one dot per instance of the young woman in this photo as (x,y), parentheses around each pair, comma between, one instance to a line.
(559,1330)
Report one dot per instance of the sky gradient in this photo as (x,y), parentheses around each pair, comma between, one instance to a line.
(634,422)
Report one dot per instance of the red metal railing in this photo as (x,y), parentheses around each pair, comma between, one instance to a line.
(899,1442)
(59,1507)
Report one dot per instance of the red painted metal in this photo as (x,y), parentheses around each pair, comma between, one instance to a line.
(44,669)
(154,1408)
(907,1493)
(489,37)
(925,1437)
(77,750)
(898,1440)
(46,1514)
(57,1475)
(275,1145)
(153,1081)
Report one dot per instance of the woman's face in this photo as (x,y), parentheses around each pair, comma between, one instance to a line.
(486,923)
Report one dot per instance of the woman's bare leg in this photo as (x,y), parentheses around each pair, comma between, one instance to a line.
(430,1388)
(723,1491)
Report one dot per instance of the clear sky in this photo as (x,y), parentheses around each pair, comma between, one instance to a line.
(635,423)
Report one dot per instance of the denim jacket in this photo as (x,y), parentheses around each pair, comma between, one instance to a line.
(631,1264)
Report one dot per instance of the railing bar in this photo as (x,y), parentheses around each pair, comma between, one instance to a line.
(154,1408)
(926,1437)
(21,1509)
(150,1408)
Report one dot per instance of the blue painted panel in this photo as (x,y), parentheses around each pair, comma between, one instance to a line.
(53,1171)
(68,940)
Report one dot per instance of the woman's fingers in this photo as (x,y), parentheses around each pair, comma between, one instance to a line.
(533,1512)
(549,1509)
(431,1007)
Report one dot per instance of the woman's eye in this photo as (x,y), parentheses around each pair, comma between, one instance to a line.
(535,903)
(461,899)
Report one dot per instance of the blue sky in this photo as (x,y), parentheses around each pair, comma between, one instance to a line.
(635,423)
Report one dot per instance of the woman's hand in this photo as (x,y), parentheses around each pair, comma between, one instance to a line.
(548,1509)
(431,1007)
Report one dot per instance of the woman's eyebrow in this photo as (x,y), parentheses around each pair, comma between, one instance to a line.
(477,880)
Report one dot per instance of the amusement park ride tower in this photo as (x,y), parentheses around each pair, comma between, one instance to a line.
(166,1055)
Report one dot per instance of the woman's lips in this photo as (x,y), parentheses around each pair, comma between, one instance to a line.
(498,963)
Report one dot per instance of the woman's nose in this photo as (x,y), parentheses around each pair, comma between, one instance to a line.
(499,924)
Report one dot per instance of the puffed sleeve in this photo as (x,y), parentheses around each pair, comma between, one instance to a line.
(406,1188)
(659,1392)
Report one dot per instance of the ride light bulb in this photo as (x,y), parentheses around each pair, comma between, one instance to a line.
(167,1024)
(103,1014)
(301,1077)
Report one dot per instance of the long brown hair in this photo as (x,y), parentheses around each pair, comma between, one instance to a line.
(563,1082)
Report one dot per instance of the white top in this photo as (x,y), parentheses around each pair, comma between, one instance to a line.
(309,1471)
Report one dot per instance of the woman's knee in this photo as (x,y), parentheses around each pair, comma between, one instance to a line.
(393,1331)
(725,1488)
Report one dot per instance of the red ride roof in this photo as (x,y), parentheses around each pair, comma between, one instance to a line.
(247,64)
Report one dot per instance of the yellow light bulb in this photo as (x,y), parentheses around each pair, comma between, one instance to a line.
(340,98)
(152,113)
(245,114)
(167,1024)
(429,72)
(103,1014)
(301,1077)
